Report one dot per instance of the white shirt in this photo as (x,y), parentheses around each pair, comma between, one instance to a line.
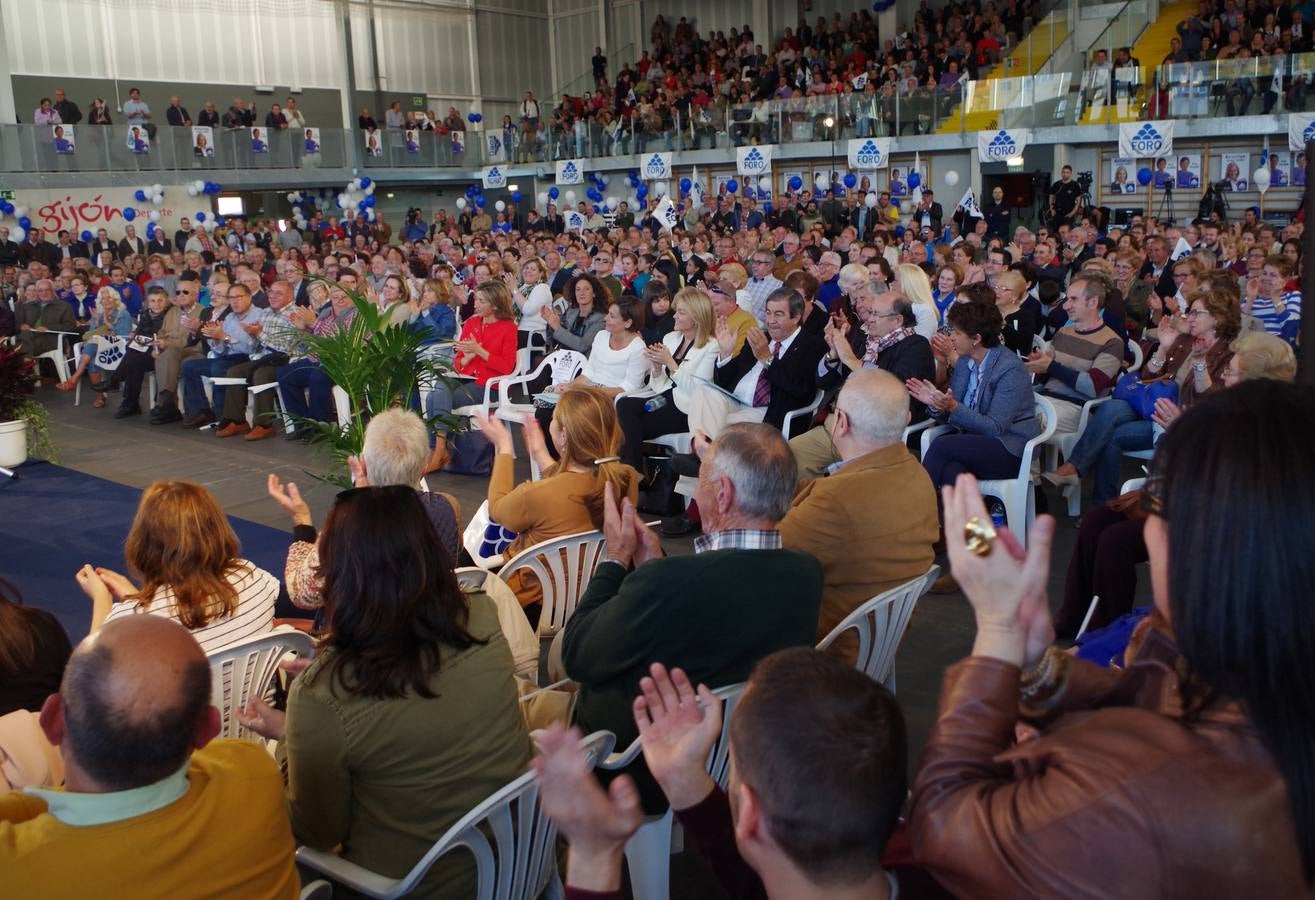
(531,313)
(624,368)
(749,383)
(256,592)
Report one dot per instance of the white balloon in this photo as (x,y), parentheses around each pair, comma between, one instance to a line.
(1260,178)
(155,215)
(17,235)
(634,201)
(369,188)
(822,182)
(765,183)
(294,197)
(661,188)
(191,190)
(500,206)
(570,197)
(157,189)
(199,185)
(951,178)
(20,211)
(461,203)
(543,198)
(870,201)
(612,202)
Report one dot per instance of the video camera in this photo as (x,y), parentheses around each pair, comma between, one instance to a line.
(1084,181)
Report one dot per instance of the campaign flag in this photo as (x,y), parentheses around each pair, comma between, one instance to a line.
(666,213)
(1002,144)
(1146,139)
(754,161)
(1301,128)
(570,171)
(574,220)
(495,151)
(969,205)
(494,177)
(859,81)
(869,153)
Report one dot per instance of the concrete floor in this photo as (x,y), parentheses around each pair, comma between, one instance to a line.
(133,452)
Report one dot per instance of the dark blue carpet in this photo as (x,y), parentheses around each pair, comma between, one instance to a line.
(53,520)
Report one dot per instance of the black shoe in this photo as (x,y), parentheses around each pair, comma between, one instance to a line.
(200,420)
(676,526)
(165,416)
(124,412)
(301,433)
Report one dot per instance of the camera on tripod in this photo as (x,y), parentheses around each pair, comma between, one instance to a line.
(1214,201)
(1084,181)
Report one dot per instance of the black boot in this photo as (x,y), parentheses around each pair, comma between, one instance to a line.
(166,409)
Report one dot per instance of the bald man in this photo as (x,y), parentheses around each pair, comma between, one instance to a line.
(152,805)
(872,522)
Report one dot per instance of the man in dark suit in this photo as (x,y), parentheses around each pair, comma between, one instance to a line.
(37,249)
(159,244)
(103,244)
(68,248)
(69,114)
(738,598)
(183,233)
(776,370)
(131,243)
(1158,268)
(997,215)
(10,254)
(929,213)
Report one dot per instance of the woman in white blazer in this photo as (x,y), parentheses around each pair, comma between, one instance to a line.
(685,354)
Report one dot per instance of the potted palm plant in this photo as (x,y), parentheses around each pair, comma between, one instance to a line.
(378,365)
(19,412)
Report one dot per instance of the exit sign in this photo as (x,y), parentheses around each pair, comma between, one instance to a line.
(418,102)
(6,195)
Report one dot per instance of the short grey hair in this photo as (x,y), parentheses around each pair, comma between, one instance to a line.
(396,448)
(877,404)
(760,466)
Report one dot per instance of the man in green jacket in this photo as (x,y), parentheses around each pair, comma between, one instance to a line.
(715,614)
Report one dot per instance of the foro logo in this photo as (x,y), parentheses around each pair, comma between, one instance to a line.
(1002,146)
(495,145)
(1147,141)
(1309,133)
(569,170)
(657,166)
(754,163)
(869,155)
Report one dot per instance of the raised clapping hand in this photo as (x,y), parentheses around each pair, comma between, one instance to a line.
(1038,363)
(677,728)
(628,539)
(1007,587)
(551,316)
(725,338)
(497,433)
(926,392)
(263,719)
(596,824)
(758,344)
(289,498)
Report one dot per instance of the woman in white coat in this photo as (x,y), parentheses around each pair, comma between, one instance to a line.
(686,353)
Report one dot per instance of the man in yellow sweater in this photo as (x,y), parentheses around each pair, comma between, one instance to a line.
(151,808)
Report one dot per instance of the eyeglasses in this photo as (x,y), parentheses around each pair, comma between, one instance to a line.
(185,291)
(1197,312)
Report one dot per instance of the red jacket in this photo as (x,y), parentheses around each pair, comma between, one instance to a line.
(499,338)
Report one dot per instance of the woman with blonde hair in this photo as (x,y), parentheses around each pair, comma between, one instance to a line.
(568,499)
(686,353)
(186,557)
(1021,322)
(531,297)
(948,278)
(109,319)
(432,314)
(914,284)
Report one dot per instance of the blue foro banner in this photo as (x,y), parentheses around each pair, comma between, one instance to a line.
(1146,139)
(494,177)
(570,171)
(869,153)
(1002,144)
(753,160)
(655,166)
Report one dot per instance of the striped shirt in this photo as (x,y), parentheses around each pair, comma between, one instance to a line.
(1282,319)
(1085,364)
(256,592)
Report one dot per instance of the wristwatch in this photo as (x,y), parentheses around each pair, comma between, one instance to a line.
(1198,367)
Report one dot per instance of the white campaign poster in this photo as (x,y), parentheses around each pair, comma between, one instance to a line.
(1235,171)
(1002,144)
(1146,139)
(494,177)
(1123,176)
(754,161)
(869,153)
(570,171)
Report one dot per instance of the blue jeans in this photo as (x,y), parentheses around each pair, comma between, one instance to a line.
(302,377)
(194,390)
(442,399)
(1113,428)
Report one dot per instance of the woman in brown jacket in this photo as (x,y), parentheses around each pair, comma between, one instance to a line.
(1191,772)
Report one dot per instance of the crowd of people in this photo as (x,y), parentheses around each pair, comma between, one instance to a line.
(240,114)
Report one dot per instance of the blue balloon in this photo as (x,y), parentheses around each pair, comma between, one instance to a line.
(6,207)
(732,186)
(366,181)
(140,196)
(515,196)
(895,203)
(86,236)
(899,231)
(795,183)
(1144,176)
(914,180)
(479,117)
(685,184)
(480,201)
(219,221)
(471,118)
(554,193)
(634,179)
(200,217)
(850,180)
(642,191)
(25,223)
(593,195)
(150,229)
(767,207)
(128,215)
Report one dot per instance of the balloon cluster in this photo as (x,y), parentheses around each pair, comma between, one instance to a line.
(474,118)
(598,185)
(301,201)
(199,187)
(152,193)
(358,197)
(475,195)
(19,212)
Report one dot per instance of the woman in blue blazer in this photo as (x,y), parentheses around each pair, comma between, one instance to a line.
(989,402)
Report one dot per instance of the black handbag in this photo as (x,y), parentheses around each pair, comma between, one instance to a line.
(470,453)
(657,492)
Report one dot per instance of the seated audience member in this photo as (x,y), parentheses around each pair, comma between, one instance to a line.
(890,343)
(739,321)
(1193,352)
(1085,356)
(36,320)
(659,311)
(146,783)
(407,716)
(486,350)
(1190,766)
(110,319)
(1021,313)
(716,613)
(684,354)
(305,389)
(1110,543)
(1270,299)
(776,832)
(178,340)
(772,374)
(872,522)
(230,341)
(576,328)
(568,498)
(395,450)
(433,316)
(996,416)
(185,554)
(280,340)
(915,287)
(33,652)
(815,314)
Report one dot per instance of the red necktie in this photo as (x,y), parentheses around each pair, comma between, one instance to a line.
(762,392)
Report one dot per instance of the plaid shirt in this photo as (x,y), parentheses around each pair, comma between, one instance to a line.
(738,539)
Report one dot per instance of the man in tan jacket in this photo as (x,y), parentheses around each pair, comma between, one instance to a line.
(177,341)
(873,521)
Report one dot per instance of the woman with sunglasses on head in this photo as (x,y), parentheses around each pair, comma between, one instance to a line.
(1190,770)
(407,716)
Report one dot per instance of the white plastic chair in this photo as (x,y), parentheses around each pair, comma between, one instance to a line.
(807,412)
(1061,445)
(246,669)
(564,366)
(519,863)
(59,356)
(563,566)
(648,852)
(880,624)
(1137,356)
(252,391)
